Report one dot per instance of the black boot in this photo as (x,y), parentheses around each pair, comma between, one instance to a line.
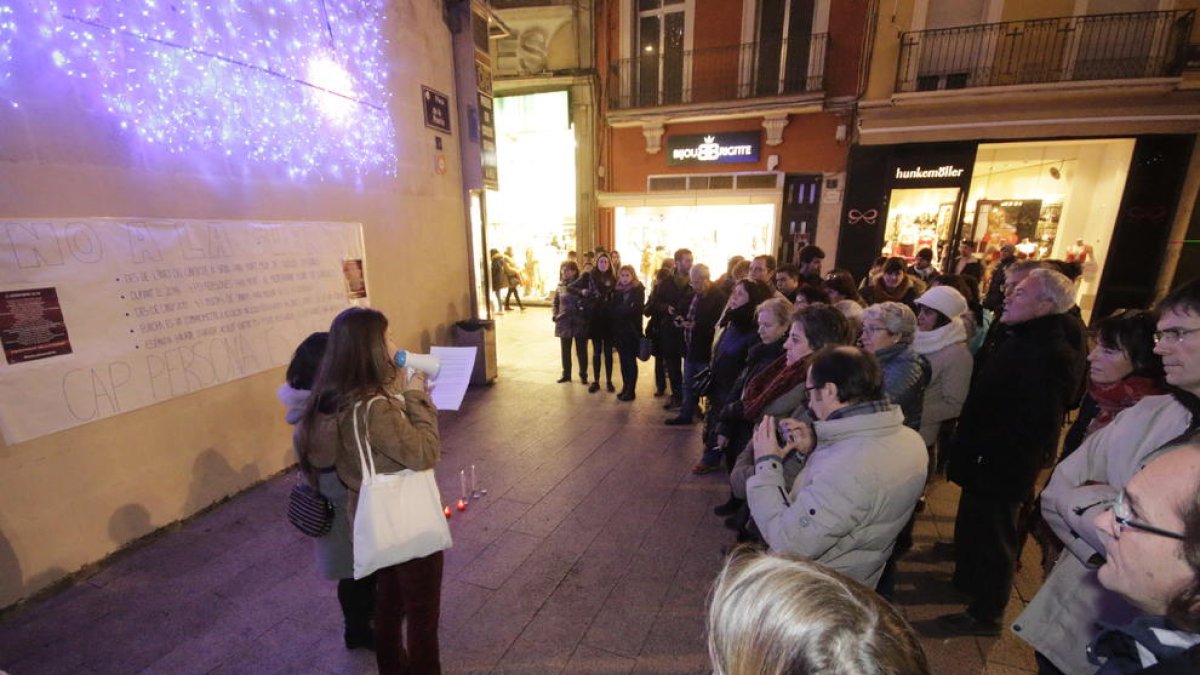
(730,507)
(357,598)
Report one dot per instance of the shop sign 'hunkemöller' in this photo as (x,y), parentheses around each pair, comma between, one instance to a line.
(719,148)
(945,171)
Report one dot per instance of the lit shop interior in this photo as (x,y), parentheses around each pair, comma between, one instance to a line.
(533,212)
(1049,199)
(714,232)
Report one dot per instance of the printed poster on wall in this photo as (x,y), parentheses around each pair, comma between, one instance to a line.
(100,316)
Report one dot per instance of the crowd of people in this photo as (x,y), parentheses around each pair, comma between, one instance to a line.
(831,403)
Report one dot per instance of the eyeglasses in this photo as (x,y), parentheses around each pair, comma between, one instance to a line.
(1123,514)
(1173,335)
(874,329)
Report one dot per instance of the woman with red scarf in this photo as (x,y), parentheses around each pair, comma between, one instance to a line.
(1122,370)
(778,390)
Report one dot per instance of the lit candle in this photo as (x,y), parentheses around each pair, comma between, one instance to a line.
(462,504)
(448,512)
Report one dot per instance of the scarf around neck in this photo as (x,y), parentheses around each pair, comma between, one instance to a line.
(775,380)
(930,341)
(1116,396)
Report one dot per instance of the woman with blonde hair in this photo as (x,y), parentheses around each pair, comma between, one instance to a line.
(771,613)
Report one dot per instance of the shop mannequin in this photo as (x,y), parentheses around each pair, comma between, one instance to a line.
(1079,252)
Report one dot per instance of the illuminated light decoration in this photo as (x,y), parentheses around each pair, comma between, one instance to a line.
(8,32)
(334,89)
(296,86)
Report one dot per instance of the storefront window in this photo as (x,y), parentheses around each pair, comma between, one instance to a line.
(532,216)
(1055,200)
(918,219)
(645,235)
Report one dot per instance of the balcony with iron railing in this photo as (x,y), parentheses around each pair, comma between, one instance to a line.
(737,72)
(1061,49)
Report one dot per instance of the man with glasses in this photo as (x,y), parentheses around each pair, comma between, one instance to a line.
(1151,538)
(1007,431)
(1062,617)
(863,470)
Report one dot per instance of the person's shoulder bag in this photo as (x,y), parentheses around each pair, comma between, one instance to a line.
(308,510)
(399,515)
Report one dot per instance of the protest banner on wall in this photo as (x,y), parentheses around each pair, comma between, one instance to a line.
(100,316)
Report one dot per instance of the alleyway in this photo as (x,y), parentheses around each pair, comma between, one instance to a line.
(592,552)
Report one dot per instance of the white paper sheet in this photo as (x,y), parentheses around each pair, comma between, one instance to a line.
(451,384)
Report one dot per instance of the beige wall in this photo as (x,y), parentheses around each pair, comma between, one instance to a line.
(1017,10)
(71,498)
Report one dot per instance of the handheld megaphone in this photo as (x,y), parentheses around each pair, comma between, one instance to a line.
(426,363)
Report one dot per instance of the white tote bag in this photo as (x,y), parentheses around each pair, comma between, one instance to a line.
(399,516)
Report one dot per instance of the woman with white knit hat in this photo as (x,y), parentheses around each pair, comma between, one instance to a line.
(942,339)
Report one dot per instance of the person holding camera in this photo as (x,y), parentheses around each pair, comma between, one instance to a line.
(862,473)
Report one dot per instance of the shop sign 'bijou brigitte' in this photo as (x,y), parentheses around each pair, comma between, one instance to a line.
(708,148)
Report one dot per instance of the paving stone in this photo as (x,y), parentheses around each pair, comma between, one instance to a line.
(592,661)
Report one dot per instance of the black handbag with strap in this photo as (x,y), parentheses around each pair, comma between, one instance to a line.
(309,510)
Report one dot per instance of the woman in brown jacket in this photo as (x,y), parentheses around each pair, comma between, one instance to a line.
(402,427)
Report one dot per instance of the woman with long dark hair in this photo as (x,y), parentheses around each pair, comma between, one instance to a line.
(401,423)
(628,300)
(596,287)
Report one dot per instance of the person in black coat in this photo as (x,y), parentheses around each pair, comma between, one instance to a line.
(1008,431)
(699,327)
(665,276)
(628,300)
(739,333)
(596,288)
(672,302)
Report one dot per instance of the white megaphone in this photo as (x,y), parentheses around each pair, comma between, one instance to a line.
(426,363)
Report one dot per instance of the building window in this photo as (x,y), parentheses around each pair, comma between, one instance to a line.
(788,40)
(660,51)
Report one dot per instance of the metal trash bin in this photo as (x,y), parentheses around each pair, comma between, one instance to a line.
(481,334)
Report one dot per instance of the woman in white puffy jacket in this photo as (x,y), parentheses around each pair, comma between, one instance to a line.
(942,339)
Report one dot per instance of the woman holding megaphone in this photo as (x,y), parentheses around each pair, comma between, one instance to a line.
(401,423)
